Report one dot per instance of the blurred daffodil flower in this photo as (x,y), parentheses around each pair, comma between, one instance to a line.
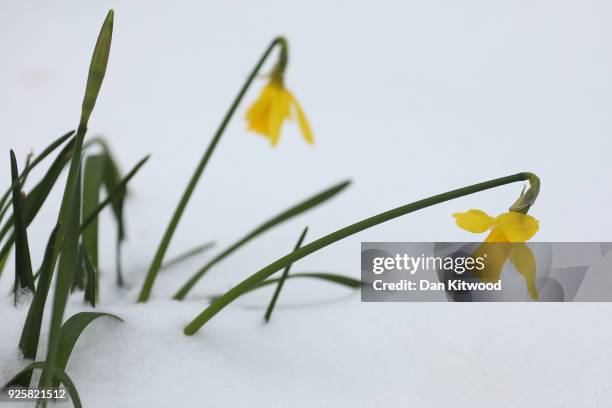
(275,105)
(507,235)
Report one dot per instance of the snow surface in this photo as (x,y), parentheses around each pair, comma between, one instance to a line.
(408,99)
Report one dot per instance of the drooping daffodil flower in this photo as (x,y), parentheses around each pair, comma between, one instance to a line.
(275,105)
(506,239)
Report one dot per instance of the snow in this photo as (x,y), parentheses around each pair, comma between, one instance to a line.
(408,100)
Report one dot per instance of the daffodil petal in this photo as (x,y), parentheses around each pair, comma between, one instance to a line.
(475,221)
(279,112)
(517,227)
(496,235)
(494,255)
(302,121)
(524,261)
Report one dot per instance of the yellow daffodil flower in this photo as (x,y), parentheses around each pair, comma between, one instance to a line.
(507,235)
(275,105)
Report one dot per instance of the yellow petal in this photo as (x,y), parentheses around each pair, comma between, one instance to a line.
(517,227)
(302,121)
(279,112)
(494,255)
(475,221)
(260,106)
(524,261)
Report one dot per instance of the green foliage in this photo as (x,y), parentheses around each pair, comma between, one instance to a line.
(67,266)
(92,182)
(36,198)
(294,211)
(91,277)
(70,333)
(281,280)
(330,277)
(23,265)
(31,330)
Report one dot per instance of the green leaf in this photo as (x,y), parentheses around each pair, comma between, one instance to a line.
(112,177)
(282,279)
(221,302)
(119,188)
(71,330)
(330,277)
(31,329)
(78,278)
(23,263)
(284,216)
(3,260)
(34,201)
(91,272)
(97,68)
(92,182)
(187,255)
(56,373)
(112,181)
(65,275)
(46,152)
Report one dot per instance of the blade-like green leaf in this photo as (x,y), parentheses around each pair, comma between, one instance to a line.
(97,68)
(65,275)
(91,274)
(112,178)
(284,216)
(3,262)
(78,277)
(330,277)
(31,329)
(92,182)
(46,152)
(56,373)
(113,194)
(34,201)
(187,255)
(282,279)
(23,263)
(71,330)
(24,176)
(221,302)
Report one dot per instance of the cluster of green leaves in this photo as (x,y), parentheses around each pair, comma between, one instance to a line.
(73,241)
(72,248)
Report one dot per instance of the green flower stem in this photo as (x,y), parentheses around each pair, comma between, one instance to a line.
(145,292)
(244,286)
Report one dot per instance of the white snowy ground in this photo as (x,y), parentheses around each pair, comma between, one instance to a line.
(407,100)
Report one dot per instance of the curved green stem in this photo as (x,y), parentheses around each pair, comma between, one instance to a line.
(244,286)
(145,292)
